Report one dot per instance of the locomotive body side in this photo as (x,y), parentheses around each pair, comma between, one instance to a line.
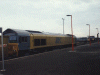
(37,41)
(47,41)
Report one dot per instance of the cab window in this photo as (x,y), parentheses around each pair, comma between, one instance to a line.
(13,39)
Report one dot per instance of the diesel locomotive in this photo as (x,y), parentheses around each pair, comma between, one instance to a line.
(21,41)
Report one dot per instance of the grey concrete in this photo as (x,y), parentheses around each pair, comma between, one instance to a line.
(84,61)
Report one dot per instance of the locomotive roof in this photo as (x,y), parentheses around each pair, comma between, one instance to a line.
(28,32)
(46,33)
(52,34)
(16,32)
(33,31)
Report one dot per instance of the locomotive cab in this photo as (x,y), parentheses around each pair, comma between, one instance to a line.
(13,46)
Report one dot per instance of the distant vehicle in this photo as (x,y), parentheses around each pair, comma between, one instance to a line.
(92,38)
(82,39)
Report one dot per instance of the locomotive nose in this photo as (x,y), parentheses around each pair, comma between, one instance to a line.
(13,49)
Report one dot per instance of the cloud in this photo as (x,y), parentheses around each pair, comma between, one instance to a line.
(46,15)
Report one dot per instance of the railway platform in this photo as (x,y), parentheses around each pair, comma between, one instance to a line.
(85,60)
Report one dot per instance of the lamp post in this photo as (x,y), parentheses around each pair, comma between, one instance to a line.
(89,33)
(97,35)
(2,49)
(72,32)
(63,24)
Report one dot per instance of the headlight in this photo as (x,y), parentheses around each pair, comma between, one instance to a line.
(13,47)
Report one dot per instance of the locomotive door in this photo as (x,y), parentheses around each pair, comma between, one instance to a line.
(24,42)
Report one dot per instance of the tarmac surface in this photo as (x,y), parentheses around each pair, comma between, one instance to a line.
(84,60)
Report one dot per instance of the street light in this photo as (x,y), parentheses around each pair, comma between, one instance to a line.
(63,24)
(2,49)
(72,32)
(97,35)
(89,33)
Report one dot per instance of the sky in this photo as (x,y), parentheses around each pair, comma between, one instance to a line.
(46,16)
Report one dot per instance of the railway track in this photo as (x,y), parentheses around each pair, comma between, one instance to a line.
(27,54)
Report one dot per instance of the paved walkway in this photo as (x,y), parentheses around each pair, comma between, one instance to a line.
(84,61)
